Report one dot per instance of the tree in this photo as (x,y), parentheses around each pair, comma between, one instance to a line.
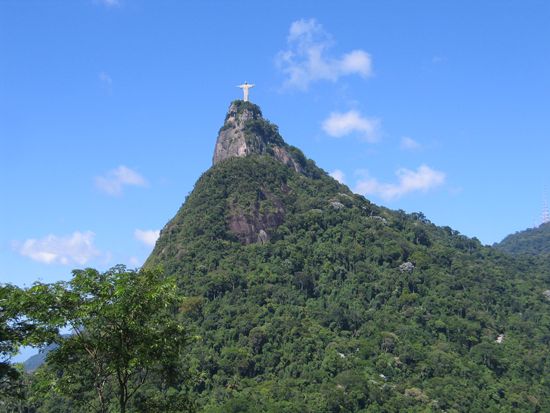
(10,337)
(15,330)
(124,328)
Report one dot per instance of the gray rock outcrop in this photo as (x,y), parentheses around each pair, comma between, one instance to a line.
(246,132)
(406,267)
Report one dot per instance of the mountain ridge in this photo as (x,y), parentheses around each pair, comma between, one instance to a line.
(532,241)
(309,298)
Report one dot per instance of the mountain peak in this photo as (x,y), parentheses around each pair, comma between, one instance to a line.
(373,299)
(246,132)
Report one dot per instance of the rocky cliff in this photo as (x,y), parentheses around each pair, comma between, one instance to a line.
(245,132)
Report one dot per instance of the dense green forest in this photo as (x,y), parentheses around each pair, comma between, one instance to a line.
(350,307)
(299,296)
(532,241)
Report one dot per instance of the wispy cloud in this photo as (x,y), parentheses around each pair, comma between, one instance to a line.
(408,181)
(340,124)
(148,237)
(135,261)
(339,176)
(115,180)
(409,144)
(306,59)
(75,248)
(105,78)
(106,81)
(109,3)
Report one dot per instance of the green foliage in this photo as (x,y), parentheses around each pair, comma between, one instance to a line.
(343,306)
(15,330)
(532,241)
(11,336)
(264,129)
(124,333)
(322,319)
(241,106)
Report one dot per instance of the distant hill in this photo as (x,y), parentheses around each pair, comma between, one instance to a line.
(306,297)
(33,362)
(532,241)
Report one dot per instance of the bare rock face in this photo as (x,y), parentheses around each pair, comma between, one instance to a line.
(231,140)
(246,132)
(251,225)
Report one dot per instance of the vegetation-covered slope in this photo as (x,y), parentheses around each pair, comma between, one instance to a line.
(532,241)
(35,361)
(338,305)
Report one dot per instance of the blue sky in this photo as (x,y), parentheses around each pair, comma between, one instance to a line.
(109,111)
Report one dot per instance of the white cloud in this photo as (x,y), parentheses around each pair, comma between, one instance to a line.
(75,248)
(409,144)
(306,61)
(148,237)
(115,180)
(423,179)
(304,31)
(339,124)
(358,62)
(339,176)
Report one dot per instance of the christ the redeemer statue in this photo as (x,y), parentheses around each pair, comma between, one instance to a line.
(245,86)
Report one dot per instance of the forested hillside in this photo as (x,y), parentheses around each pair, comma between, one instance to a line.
(339,305)
(296,295)
(532,241)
